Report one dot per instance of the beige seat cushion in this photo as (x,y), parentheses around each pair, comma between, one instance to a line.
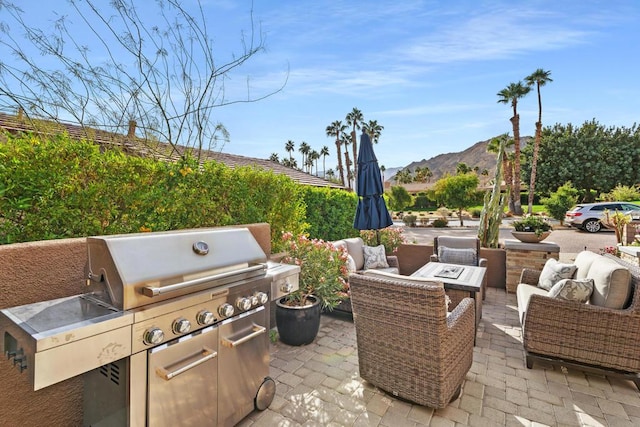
(583,262)
(355,247)
(523,293)
(341,244)
(611,283)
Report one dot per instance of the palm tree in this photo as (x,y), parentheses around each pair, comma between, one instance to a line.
(373,129)
(309,165)
(314,156)
(345,140)
(330,174)
(422,174)
(335,129)
(324,153)
(511,94)
(539,78)
(354,119)
(304,149)
(290,146)
(291,163)
(382,169)
(274,157)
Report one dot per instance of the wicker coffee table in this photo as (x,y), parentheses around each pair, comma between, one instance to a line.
(459,280)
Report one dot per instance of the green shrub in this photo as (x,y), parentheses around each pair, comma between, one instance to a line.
(622,193)
(409,220)
(329,212)
(440,222)
(443,212)
(561,201)
(57,187)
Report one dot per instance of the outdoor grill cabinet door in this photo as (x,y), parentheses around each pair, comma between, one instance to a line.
(183,388)
(244,358)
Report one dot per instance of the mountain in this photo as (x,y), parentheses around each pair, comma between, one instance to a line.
(476,155)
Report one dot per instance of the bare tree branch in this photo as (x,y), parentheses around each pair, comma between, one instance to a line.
(160,73)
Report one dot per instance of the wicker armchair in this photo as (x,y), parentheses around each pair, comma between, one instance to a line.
(584,336)
(407,344)
(460,242)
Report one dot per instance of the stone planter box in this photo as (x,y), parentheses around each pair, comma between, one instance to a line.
(526,255)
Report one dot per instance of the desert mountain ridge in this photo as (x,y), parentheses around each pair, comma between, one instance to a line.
(476,155)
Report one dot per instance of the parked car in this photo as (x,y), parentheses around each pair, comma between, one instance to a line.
(589,216)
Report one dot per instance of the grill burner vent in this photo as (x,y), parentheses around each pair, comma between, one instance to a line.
(111,372)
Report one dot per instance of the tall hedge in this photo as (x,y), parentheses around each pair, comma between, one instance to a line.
(330,213)
(57,187)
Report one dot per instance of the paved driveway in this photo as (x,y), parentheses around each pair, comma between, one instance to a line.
(570,240)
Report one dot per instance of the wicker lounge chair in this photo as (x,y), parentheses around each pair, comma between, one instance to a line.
(587,337)
(447,248)
(407,344)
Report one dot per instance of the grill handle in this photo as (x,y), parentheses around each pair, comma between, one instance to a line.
(257,330)
(152,291)
(167,375)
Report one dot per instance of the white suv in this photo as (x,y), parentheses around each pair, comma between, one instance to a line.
(588,216)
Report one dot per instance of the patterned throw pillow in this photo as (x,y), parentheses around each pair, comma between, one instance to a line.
(375,257)
(572,289)
(553,272)
(464,256)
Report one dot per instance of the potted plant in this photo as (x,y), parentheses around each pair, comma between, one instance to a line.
(323,273)
(531,229)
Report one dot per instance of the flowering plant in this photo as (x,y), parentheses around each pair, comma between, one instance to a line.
(323,270)
(612,250)
(390,237)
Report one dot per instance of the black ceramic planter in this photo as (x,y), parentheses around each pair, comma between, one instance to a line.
(298,325)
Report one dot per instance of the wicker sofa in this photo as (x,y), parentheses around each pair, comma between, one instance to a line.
(355,249)
(602,335)
(407,344)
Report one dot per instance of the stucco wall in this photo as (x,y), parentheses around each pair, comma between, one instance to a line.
(39,271)
(31,272)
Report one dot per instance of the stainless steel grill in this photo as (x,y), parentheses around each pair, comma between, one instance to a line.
(173,329)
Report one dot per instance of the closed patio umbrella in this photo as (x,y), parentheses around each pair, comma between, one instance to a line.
(371,213)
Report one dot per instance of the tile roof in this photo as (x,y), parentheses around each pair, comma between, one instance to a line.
(161,151)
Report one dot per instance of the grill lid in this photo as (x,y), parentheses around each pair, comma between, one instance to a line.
(131,270)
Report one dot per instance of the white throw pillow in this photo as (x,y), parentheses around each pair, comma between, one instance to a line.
(375,257)
(464,256)
(572,289)
(553,272)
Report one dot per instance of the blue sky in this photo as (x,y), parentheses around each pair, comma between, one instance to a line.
(428,71)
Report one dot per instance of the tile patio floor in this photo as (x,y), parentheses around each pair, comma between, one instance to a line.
(319,385)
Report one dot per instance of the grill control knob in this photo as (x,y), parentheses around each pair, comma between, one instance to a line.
(181,326)
(225,310)
(243,303)
(286,287)
(262,298)
(205,317)
(153,336)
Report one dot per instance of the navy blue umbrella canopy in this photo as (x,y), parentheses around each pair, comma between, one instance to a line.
(371,213)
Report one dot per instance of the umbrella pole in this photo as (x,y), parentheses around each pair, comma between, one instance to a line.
(378,237)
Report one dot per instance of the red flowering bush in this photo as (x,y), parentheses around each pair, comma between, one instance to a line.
(323,270)
(390,237)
